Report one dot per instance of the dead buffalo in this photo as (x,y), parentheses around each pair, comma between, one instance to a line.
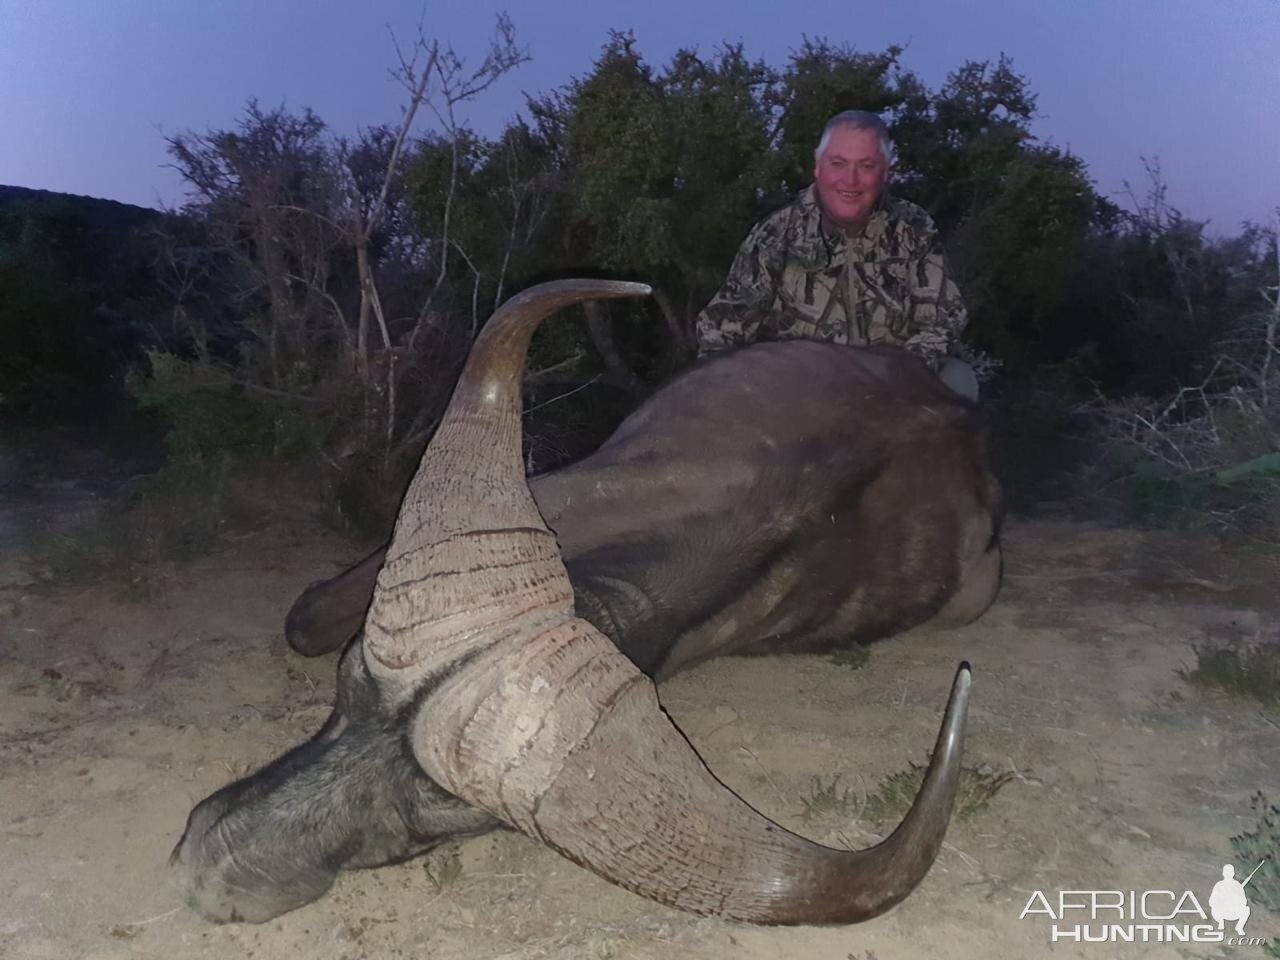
(783,497)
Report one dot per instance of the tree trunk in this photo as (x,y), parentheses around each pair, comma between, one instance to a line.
(600,330)
(683,347)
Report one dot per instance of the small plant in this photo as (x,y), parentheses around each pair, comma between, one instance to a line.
(827,799)
(443,866)
(855,657)
(1241,669)
(897,791)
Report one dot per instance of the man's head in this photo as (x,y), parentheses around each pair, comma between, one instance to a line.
(851,166)
(1228,871)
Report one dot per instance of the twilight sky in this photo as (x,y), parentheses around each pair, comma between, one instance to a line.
(89,89)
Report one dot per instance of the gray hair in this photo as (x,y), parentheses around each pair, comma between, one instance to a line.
(857,120)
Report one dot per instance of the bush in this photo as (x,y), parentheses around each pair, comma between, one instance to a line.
(171,516)
(207,415)
(216,424)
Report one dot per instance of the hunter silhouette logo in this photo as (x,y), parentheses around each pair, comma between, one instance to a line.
(1228,900)
(1147,916)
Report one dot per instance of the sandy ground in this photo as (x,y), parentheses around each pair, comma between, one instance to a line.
(116,717)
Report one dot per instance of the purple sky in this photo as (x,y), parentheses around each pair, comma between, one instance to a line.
(89,89)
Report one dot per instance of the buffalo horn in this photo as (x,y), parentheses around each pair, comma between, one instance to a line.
(522,709)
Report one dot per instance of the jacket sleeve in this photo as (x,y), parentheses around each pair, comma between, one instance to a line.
(937,311)
(734,314)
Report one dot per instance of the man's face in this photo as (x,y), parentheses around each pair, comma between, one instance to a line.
(850,175)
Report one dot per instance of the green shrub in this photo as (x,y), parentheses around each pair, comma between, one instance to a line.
(210,415)
(896,793)
(978,785)
(1245,670)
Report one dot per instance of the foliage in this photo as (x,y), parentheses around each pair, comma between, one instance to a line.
(1019,256)
(1243,670)
(443,866)
(957,147)
(853,657)
(211,415)
(829,799)
(63,260)
(303,291)
(896,793)
(316,296)
(978,785)
(660,173)
(1209,450)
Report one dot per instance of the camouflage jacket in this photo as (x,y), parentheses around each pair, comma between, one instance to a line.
(796,276)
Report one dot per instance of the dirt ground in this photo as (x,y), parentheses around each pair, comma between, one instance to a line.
(117,716)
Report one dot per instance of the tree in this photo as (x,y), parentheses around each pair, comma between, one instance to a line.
(266,194)
(957,147)
(307,246)
(824,79)
(663,169)
(353,273)
(1018,257)
(69,268)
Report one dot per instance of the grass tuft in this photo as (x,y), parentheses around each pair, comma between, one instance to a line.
(828,799)
(896,793)
(1243,670)
(443,866)
(854,658)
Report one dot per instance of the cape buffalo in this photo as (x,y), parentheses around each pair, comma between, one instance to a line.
(784,497)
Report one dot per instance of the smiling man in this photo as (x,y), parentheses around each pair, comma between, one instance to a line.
(844,262)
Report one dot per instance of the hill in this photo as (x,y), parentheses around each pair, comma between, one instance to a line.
(98,214)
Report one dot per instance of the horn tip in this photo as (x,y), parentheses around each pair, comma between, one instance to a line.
(958,703)
(627,288)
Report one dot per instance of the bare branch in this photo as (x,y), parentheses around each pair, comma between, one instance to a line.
(562,396)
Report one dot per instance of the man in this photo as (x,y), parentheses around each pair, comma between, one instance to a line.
(845,263)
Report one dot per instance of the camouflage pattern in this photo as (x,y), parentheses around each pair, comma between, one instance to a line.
(797,276)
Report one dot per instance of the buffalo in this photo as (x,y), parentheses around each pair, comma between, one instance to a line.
(784,497)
